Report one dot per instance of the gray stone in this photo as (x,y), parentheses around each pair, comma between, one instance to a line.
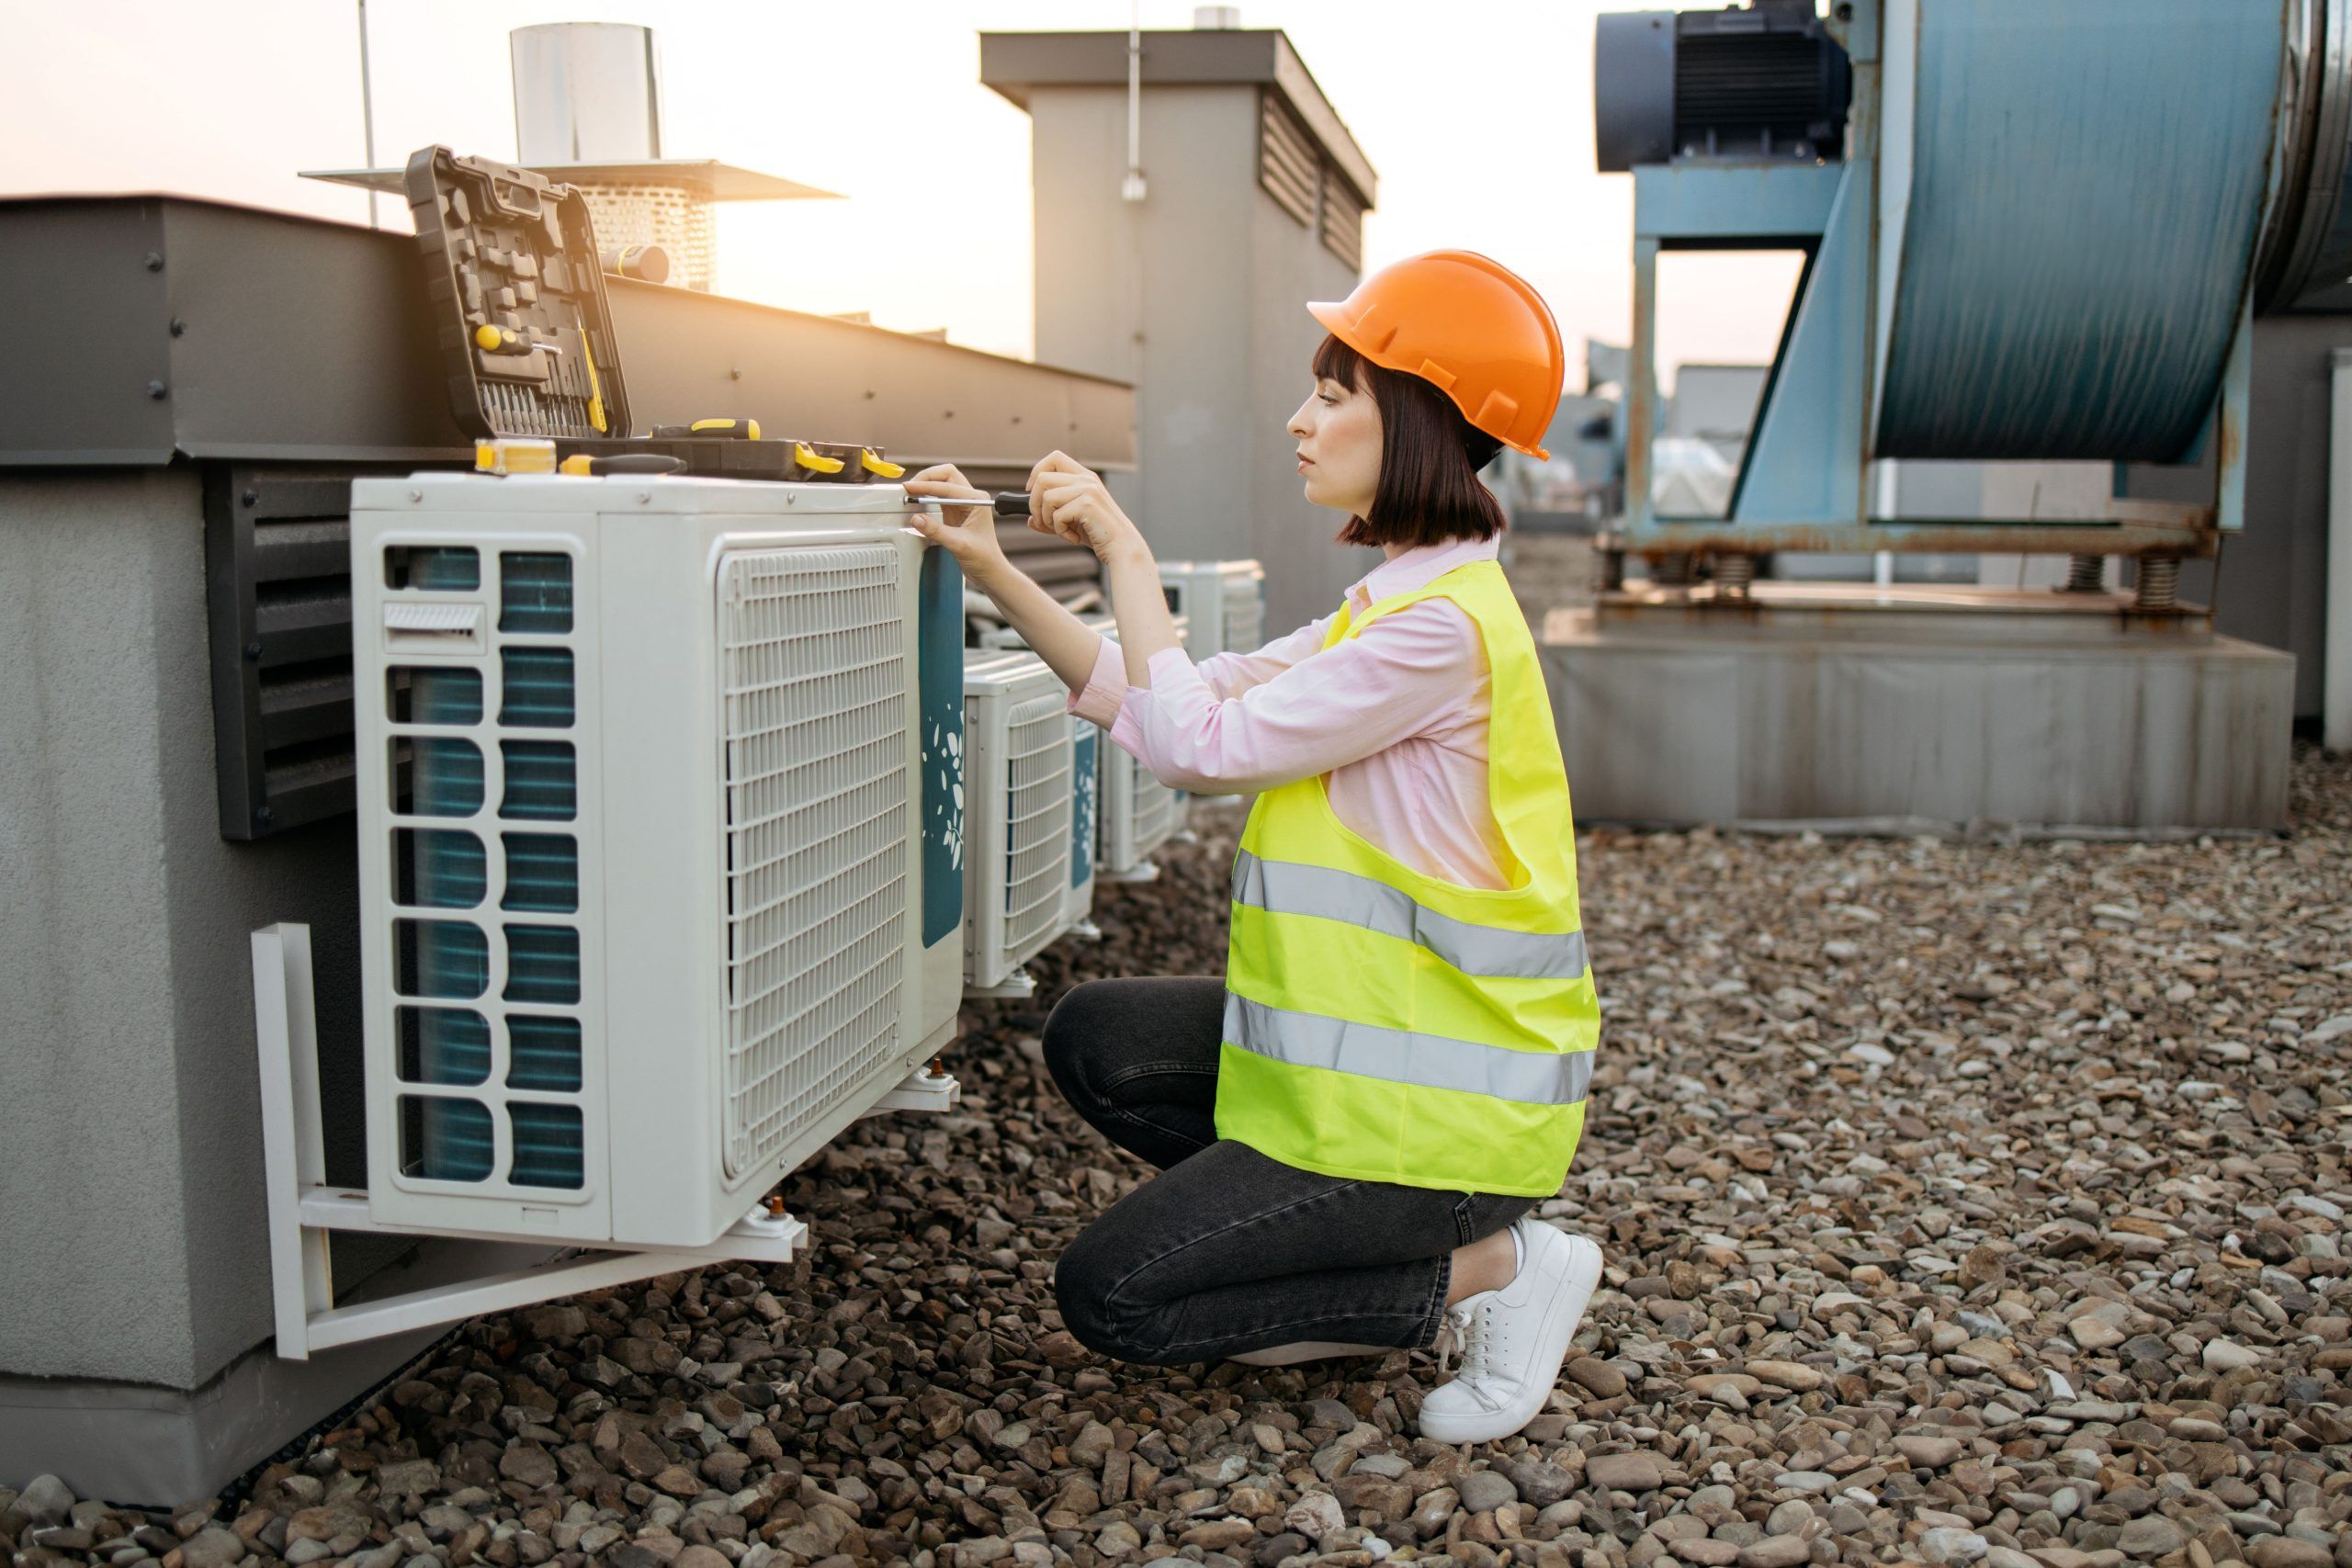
(1926,1452)
(45,1500)
(2151,1534)
(1540,1484)
(1485,1490)
(213,1546)
(1775,1552)
(1275,1548)
(1088,1448)
(2286,1551)
(1315,1515)
(528,1463)
(1636,1472)
(2228,1356)
(1945,1544)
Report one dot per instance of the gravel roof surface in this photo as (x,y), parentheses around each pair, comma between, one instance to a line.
(1964,1201)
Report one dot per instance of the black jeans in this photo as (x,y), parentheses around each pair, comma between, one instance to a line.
(1226,1249)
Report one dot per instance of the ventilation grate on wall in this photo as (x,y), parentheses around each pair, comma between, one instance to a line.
(1288,165)
(818,815)
(1342,225)
(277,591)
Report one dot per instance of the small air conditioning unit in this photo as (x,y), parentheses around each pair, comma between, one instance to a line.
(1020,807)
(1139,816)
(1224,602)
(1136,814)
(659,832)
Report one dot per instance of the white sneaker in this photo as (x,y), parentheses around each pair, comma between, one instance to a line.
(1299,1350)
(1513,1340)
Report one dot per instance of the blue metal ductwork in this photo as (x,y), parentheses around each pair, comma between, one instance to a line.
(2044,235)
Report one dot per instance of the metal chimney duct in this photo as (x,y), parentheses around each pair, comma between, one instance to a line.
(586,92)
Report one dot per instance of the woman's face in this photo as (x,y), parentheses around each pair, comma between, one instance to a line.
(1337,431)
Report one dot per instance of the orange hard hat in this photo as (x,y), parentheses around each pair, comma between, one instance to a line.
(1469,326)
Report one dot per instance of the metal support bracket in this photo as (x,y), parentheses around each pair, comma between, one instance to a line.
(1142,871)
(1012,987)
(1087,931)
(303,1209)
(928,1089)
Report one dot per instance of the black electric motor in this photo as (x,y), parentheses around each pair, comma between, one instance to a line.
(1759,81)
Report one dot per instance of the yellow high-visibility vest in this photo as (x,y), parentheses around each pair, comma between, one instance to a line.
(1386,1025)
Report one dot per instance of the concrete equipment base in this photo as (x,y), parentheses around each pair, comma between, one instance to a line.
(1813,702)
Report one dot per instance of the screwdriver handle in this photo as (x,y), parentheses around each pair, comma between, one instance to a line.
(1004,503)
(641,463)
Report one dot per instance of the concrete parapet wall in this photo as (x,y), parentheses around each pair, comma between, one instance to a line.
(1728,726)
(131,1197)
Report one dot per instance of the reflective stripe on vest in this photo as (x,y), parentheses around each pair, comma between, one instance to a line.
(1289,887)
(1432,1061)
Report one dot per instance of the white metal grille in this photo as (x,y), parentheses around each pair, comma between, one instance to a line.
(1036,858)
(1245,616)
(1151,810)
(1139,814)
(812,671)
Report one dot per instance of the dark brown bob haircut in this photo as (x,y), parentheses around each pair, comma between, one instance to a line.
(1430,457)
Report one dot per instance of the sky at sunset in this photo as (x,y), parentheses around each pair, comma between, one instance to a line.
(1477,116)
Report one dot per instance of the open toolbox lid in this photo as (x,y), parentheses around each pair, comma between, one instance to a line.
(510,260)
(524,330)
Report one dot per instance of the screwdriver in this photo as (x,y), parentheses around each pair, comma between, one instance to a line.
(1004,503)
(580,464)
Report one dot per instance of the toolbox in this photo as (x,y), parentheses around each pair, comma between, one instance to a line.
(512,275)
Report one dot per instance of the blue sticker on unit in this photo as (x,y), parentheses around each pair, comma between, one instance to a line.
(1081,806)
(940,688)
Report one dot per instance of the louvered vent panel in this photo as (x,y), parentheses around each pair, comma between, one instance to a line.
(1037,861)
(1151,810)
(1287,162)
(1140,813)
(453,1103)
(813,676)
(1342,222)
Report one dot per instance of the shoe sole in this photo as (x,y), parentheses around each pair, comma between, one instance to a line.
(1571,1294)
(1304,1350)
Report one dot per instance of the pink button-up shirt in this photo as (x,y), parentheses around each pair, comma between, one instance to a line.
(1395,717)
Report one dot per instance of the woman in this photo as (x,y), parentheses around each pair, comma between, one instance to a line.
(1353,1122)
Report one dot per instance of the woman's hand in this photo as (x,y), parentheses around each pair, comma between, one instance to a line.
(966,532)
(1068,499)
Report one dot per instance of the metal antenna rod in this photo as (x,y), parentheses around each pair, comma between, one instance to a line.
(367,109)
(1132,187)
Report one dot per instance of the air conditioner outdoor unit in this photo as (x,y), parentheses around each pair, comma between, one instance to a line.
(1136,814)
(658,830)
(1224,601)
(1021,806)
